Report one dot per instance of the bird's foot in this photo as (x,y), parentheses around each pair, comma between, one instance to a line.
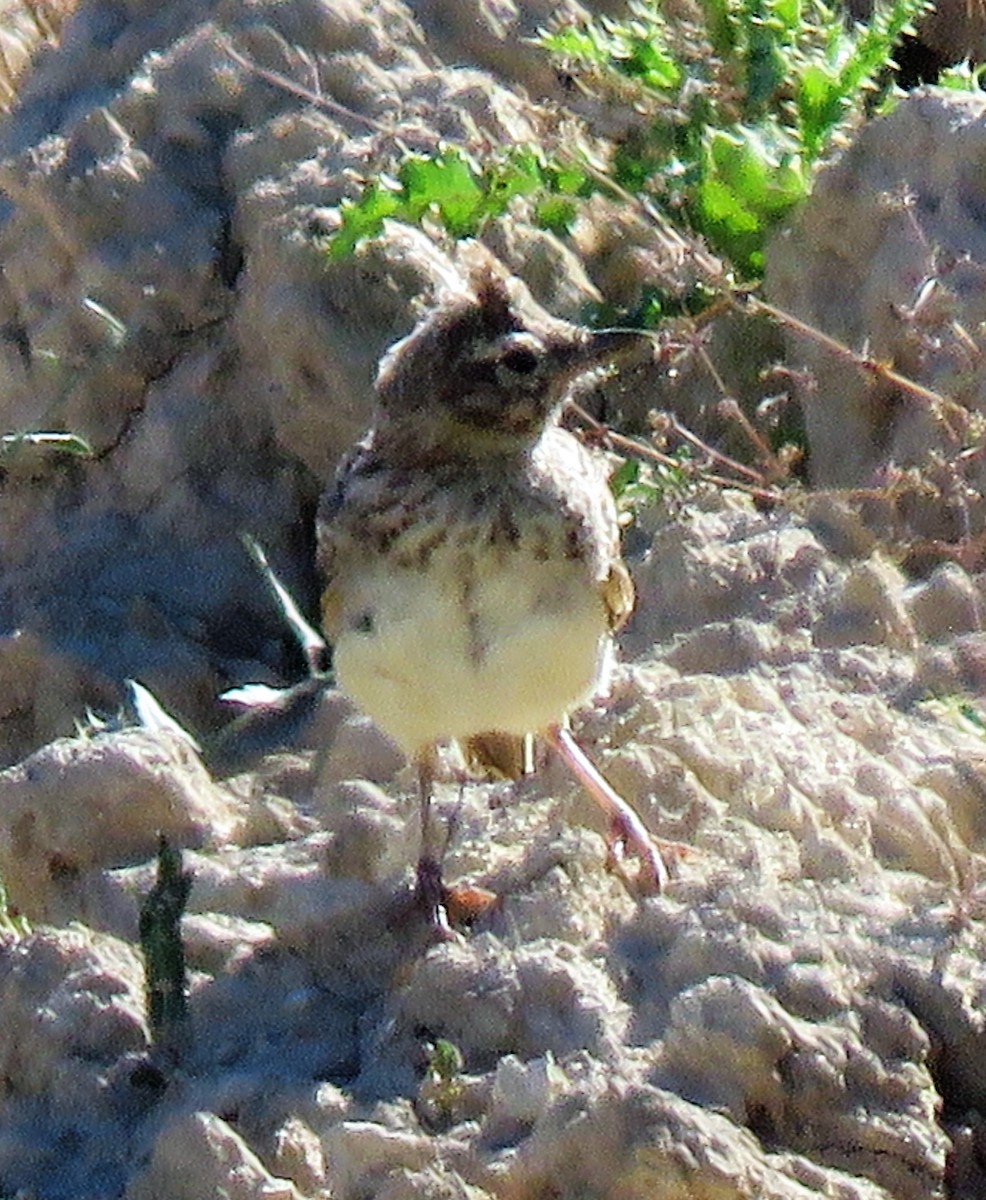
(447,907)
(429,895)
(628,834)
(632,839)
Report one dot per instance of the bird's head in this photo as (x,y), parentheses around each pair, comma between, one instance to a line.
(488,368)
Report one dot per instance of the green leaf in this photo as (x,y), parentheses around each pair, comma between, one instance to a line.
(625,475)
(518,175)
(973,715)
(765,67)
(447,185)
(11,922)
(363,218)
(821,104)
(793,71)
(765,176)
(648,61)
(746,186)
(556,213)
(573,42)
(636,485)
(567,178)
(721,27)
(963,77)
(165,973)
(445,1060)
(788,12)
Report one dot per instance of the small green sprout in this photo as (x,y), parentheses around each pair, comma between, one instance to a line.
(637,485)
(166,982)
(11,921)
(958,712)
(442,1088)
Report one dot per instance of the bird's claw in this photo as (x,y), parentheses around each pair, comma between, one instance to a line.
(624,840)
(658,858)
(429,894)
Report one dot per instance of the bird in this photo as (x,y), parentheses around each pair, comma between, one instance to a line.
(470,547)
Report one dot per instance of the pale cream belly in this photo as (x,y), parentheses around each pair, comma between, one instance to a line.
(450,653)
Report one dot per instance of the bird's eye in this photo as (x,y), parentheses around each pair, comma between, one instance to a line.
(520,360)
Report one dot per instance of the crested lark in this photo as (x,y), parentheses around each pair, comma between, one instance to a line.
(471,548)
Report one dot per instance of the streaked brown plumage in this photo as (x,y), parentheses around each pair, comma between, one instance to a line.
(470,545)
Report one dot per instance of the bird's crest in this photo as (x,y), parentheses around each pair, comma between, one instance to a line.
(488,281)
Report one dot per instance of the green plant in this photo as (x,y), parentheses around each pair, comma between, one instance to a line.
(459,193)
(638,484)
(740,109)
(963,77)
(441,1089)
(11,921)
(958,712)
(166,982)
(744,105)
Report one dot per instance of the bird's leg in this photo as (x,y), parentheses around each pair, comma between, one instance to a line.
(626,828)
(430,890)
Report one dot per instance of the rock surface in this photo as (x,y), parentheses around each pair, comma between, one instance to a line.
(887,258)
(800,1015)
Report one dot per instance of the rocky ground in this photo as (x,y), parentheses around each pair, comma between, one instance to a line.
(801,1013)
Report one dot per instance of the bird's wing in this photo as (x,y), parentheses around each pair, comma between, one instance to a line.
(618,595)
(501,755)
(338,542)
(584,495)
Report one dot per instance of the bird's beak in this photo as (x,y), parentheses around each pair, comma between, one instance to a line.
(604,344)
(597,347)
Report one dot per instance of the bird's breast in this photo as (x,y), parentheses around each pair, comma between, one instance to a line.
(489,627)
(469,595)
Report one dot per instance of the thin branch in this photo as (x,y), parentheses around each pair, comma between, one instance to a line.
(693,439)
(630,446)
(285,83)
(939,404)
